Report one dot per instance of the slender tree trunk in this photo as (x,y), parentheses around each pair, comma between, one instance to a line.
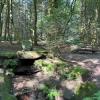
(8,20)
(12,22)
(1,8)
(0,25)
(35,22)
(4,21)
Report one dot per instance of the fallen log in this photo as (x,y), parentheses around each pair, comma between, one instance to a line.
(85,50)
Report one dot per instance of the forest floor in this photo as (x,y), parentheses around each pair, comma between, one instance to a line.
(88,61)
(6,46)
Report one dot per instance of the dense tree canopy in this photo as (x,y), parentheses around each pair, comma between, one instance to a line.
(54,21)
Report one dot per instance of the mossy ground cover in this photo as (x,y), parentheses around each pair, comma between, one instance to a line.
(65,71)
(5,80)
(5,89)
(7,54)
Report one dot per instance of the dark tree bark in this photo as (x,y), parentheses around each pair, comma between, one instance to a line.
(1,8)
(35,22)
(8,19)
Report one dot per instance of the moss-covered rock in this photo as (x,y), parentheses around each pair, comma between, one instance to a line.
(28,54)
(45,65)
(51,65)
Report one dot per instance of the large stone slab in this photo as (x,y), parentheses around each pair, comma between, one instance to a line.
(28,55)
(26,84)
(20,84)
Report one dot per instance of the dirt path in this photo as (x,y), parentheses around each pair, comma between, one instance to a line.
(89,61)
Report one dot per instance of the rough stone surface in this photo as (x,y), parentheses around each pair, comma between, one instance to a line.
(28,54)
(31,82)
(69,88)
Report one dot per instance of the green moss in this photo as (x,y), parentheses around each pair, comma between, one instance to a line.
(62,64)
(5,89)
(50,91)
(10,63)
(45,65)
(8,97)
(7,54)
(51,65)
(74,73)
(85,90)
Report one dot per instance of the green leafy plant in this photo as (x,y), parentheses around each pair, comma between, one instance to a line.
(45,65)
(86,89)
(50,92)
(96,96)
(48,66)
(10,64)
(62,65)
(74,73)
(5,89)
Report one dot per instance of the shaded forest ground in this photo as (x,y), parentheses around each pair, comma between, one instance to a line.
(89,61)
(6,46)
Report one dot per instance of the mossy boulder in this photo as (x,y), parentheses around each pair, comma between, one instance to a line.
(45,65)
(53,65)
(28,54)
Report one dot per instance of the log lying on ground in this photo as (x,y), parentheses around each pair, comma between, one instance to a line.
(85,50)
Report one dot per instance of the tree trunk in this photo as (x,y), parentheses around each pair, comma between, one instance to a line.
(35,22)
(1,8)
(8,20)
